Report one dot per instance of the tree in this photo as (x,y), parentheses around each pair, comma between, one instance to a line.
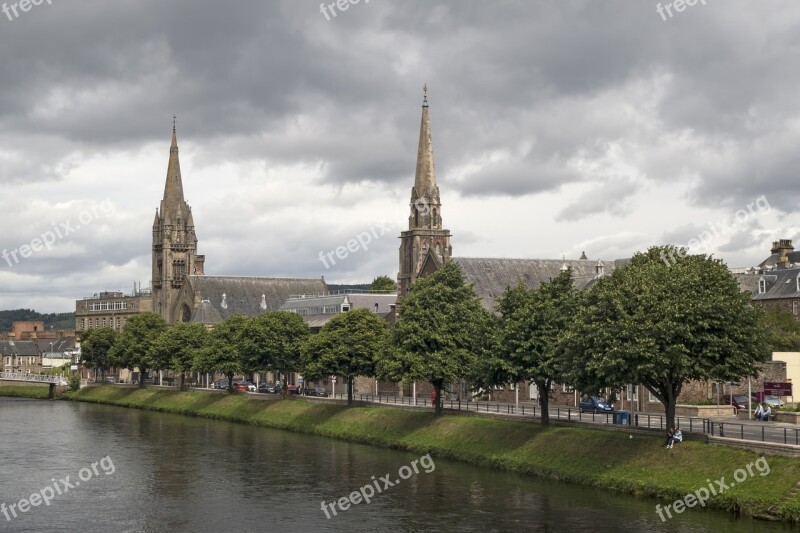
(383,283)
(178,346)
(347,346)
(783,330)
(224,351)
(96,347)
(133,346)
(273,341)
(532,326)
(662,324)
(441,333)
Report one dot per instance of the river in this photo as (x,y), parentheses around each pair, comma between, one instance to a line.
(132,471)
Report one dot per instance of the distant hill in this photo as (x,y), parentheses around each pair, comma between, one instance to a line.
(56,320)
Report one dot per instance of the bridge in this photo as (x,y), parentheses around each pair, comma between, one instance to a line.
(35,378)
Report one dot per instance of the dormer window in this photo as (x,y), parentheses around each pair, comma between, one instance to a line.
(762,286)
(797,281)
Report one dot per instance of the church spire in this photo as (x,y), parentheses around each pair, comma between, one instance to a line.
(425,179)
(173,189)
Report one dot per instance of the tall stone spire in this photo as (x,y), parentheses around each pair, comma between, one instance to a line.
(425,247)
(173,188)
(174,242)
(425,179)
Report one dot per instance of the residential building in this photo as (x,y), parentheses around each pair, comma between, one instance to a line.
(20,356)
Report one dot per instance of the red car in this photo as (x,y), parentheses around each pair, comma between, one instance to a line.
(241,386)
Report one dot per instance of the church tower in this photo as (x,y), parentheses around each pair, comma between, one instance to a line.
(425,247)
(174,242)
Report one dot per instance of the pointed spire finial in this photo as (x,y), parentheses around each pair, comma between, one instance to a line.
(425,95)
(174,122)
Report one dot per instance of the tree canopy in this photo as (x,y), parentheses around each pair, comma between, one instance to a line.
(662,324)
(224,352)
(178,345)
(347,346)
(133,348)
(441,333)
(383,283)
(272,341)
(96,348)
(783,330)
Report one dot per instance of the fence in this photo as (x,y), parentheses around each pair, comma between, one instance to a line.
(763,431)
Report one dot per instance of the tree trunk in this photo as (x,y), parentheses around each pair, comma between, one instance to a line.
(103,375)
(230,382)
(349,391)
(669,409)
(437,386)
(141,378)
(183,380)
(544,401)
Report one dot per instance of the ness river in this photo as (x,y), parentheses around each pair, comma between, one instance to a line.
(108,469)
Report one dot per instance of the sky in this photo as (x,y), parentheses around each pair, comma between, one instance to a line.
(558,127)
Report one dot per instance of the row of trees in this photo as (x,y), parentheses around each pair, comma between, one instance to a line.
(650,322)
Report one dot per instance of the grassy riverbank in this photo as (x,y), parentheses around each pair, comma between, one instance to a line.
(604,459)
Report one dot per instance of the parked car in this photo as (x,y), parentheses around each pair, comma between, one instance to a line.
(267,387)
(773,401)
(316,391)
(251,387)
(242,386)
(221,384)
(595,404)
(739,402)
(292,389)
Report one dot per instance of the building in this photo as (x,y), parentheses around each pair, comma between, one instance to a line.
(174,255)
(425,246)
(21,356)
(110,309)
(209,300)
(318,310)
(775,283)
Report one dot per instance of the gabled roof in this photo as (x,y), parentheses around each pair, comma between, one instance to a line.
(19,348)
(59,345)
(492,276)
(779,284)
(250,296)
(206,314)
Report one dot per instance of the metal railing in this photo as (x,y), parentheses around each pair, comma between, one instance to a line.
(35,378)
(757,431)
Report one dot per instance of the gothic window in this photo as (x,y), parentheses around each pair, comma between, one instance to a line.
(433,220)
(186,313)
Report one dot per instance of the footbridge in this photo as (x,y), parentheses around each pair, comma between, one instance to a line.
(35,378)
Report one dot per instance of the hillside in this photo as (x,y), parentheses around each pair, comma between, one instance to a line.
(55,321)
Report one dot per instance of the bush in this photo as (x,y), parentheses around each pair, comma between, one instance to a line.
(74,382)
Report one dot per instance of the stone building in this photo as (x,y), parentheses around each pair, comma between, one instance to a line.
(425,246)
(174,243)
(21,356)
(111,309)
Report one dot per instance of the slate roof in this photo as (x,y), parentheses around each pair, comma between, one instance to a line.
(356,301)
(19,348)
(249,296)
(206,314)
(779,284)
(491,276)
(60,345)
(772,260)
(368,301)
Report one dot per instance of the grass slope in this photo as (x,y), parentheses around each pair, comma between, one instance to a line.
(606,459)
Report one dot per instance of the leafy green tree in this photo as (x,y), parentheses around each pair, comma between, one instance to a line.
(662,324)
(178,346)
(441,334)
(347,346)
(273,341)
(224,352)
(133,346)
(532,326)
(783,330)
(383,283)
(96,349)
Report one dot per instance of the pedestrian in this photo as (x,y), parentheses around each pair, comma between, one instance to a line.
(670,438)
(759,412)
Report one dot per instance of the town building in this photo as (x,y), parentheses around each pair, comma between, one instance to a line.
(111,309)
(21,356)
(174,256)
(318,310)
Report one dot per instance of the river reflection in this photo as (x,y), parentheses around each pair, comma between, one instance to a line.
(177,473)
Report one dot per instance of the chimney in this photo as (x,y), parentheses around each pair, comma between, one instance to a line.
(782,248)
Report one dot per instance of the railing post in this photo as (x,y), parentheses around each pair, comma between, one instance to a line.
(762,433)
